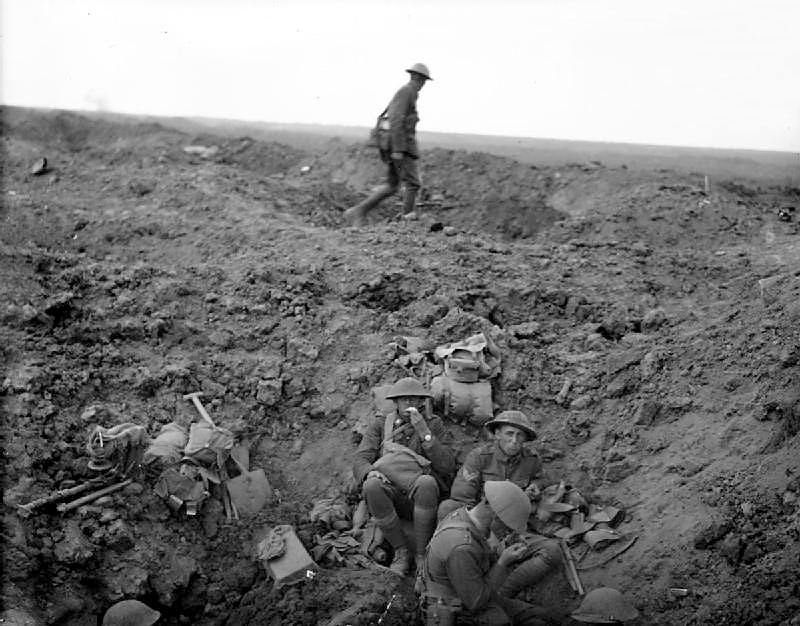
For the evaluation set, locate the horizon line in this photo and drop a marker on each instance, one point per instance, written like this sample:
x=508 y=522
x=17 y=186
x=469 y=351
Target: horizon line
x=322 y=125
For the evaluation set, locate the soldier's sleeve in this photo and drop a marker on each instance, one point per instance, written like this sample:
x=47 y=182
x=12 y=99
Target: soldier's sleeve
x=367 y=452
x=439 y=450
x=467 y=578
x=469 y=480
x=398 y=110
x=536 y=467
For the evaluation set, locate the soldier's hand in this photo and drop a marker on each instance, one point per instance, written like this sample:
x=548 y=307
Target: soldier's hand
x=533 y=492
x=418 y=422
x=376 y=474
x=513 y=553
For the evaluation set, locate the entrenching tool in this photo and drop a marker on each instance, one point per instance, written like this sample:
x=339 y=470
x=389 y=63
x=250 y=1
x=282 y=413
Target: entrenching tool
x=249 y=491
x=195 y=397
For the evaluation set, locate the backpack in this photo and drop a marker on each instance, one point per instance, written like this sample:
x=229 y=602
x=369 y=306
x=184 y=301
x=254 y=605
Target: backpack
x=463 y=402
x=179 y=489
x=477 y=357
x=208 y=445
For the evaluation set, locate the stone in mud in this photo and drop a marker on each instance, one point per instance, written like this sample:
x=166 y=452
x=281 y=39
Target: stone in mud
x=173 y=577
x=214 y=593
x=619 y=386
x=582 y=402
x=240 y=578
x=731 y=548
x=130 y=581
x=618 y=470
x=211 y=517
x=211 y=389
x=769 y=288
x=711 y=533
x=594 y=341
x=74 y=548
x=653 y=320
x=526 y=330
x=647 y=413
x=220 y=338
x=751 y=552
x=268 y=392
x=120 y=537
x=623 y=360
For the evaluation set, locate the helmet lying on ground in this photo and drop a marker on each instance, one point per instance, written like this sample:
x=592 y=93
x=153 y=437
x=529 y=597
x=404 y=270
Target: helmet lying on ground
x=605 y=605
x=130 y=613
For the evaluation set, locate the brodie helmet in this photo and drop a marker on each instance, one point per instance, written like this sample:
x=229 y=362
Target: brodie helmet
x=421 y=69
x=518 y=419
x=408 y=387
x=509 y=502
x=130 y=613
x=604 y=605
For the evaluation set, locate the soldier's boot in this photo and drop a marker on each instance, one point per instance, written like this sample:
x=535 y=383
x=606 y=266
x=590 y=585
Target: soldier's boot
x=357 y=215
x=525 y=575
x=410 y=202
x=393 y=532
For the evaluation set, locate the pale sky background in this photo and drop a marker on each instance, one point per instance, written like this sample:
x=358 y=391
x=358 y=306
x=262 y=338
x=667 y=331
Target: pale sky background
x=719 y=73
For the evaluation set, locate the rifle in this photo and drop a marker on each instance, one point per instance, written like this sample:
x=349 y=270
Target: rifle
x=570 y=568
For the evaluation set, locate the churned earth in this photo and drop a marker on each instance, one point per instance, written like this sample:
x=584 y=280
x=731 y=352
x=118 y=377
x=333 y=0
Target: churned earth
x=650 y=326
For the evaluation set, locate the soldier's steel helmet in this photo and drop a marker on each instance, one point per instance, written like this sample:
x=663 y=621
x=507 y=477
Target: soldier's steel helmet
x=605 y=605
x=518 y=419
x=509 y=502
x=420 y=68
x=408 y=387
x=130 y=613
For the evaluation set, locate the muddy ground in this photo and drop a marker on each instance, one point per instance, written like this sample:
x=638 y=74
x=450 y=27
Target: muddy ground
x=134 y=272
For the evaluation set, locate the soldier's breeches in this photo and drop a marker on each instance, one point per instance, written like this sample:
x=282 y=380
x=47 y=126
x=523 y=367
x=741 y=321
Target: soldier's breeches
x=425 y=492
x=378 y=498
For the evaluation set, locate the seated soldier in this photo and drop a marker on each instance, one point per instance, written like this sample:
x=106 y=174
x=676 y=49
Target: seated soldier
x=394 y=492
x=463 y=576
x=506 y=458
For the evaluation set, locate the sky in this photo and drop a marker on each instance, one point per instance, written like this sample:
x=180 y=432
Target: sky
x=710 y=73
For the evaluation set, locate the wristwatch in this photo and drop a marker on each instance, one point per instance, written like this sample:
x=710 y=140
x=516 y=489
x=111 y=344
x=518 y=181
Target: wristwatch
x=427 y=438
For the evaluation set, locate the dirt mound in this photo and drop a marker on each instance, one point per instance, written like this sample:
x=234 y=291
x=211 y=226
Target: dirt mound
x=651 y=327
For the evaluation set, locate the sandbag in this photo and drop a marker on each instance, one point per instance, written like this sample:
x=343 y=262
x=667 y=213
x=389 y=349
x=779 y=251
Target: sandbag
x=465 y=402
x=167 y=447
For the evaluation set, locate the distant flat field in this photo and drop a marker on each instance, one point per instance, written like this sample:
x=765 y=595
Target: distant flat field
x=721 y=164
x=755 y=165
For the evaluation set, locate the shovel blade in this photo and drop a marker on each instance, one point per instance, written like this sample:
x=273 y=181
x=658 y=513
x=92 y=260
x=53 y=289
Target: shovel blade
x=249 y=492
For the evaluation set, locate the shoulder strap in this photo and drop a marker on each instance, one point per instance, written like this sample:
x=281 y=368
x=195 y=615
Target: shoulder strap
x=388 y=427
x=454 y=525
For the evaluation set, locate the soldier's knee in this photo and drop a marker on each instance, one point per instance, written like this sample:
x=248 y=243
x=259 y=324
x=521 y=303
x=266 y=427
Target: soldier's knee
x=426 y=491
x=372 y=488
x=550 y=552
